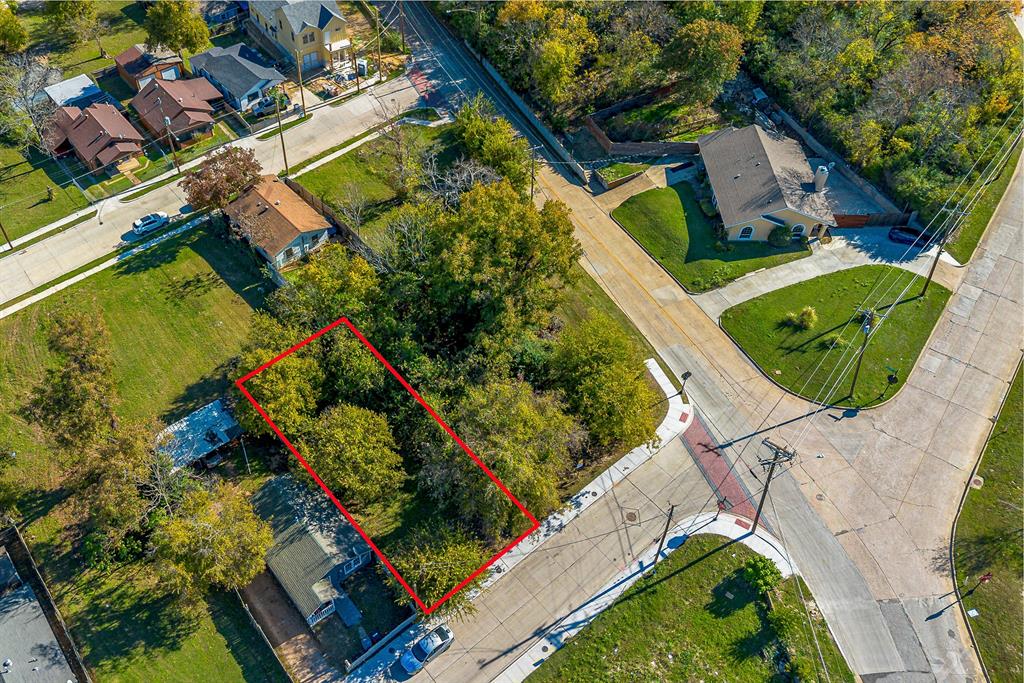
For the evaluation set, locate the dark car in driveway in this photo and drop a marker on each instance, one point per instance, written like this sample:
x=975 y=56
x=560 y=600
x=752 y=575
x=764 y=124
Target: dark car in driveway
x=912 y=236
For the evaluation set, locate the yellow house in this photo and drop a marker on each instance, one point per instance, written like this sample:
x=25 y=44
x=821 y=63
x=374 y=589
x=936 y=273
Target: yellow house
x=762 y=180
x=313 y=33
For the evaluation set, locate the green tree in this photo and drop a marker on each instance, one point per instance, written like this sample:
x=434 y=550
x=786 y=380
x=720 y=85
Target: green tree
x=74 y=403
x=13 y=36
x=75 y=20
x=497 y=265
x=176 y=25
x=353 y=452
x=214 y=539
x=600 y=371
x=524 y=439
x=493 y=142
x=742 y=14
x=704 y=54
x=762 y=575
x=560 y=55
x=289 y=389
x=434 y=559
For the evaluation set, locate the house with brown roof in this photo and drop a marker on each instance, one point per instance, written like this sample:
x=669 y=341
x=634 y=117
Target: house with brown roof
x=98 y=135
x=762 y=180
x=137 y=66
x=277 y=222
x=185 y=108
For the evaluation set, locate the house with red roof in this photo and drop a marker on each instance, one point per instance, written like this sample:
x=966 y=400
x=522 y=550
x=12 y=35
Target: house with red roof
x=98 y=135
x=184 y=108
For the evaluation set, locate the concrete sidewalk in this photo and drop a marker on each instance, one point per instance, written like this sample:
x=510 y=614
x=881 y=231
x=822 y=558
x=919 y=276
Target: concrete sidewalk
x=849 y=249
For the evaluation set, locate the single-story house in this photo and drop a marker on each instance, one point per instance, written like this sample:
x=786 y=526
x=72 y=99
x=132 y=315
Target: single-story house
x=185 y=107
x=137 y=66
x=78 y=91
x=315 y=548
x=238 y=73
x=98 y=135
x=311 y=32
x=762 y=180
x=277 y=222
x=198 y=434
x=34 y=646
x=217 y=12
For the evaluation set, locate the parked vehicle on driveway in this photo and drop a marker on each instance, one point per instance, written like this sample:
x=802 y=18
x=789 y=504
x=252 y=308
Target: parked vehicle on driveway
x=150 y=222
x=426 y=648
x=266 y=106
x=909 y=235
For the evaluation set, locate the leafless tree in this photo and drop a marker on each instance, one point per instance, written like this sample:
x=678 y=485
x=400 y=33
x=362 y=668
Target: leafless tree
x=403 y=245
x=25 y=111
x=447 y=185
x=353 y=207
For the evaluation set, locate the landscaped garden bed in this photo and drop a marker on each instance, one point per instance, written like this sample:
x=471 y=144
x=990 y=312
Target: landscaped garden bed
x=788 y=346
x=669 y=223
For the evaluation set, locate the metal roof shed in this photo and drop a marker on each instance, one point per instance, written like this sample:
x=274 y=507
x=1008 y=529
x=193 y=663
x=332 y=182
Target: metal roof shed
x=198 y=434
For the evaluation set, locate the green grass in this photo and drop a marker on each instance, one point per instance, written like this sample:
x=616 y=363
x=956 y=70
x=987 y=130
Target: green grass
x=988 y=539
x=621 y=169
x=670 y=225
x=24 y=206
x=786 y=353
x=149 y=188
x=966 y=241
x=693 y=618
x=177 y=314
x=50 y=233
x=285 y=126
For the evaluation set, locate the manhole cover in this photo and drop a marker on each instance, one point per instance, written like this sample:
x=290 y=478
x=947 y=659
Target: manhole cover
x=631 y=516
x=544 y=648
x=820 y=496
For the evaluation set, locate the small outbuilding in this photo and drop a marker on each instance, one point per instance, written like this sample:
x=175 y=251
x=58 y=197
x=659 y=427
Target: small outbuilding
x=79 y=91
x=199 y=434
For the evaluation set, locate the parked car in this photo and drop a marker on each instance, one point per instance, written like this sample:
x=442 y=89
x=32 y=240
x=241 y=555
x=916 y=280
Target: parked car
x=265 y=106
x=150 y=222
x=909 y=235
x=426 y=648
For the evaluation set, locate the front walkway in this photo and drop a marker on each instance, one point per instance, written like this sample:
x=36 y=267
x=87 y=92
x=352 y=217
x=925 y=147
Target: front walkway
x=849 y=248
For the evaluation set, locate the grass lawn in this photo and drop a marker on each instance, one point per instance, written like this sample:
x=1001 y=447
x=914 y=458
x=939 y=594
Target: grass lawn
x=365 y=168
x=621 y=169
x=966 y=241
x=786 y=353
x=693 y=618
x=988 y=539
x=24 y=180
x=669 y=223
x=176 y=314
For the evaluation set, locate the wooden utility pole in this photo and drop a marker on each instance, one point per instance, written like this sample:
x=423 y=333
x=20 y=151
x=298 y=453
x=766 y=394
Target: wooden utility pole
x=668 y=525
x=170 y=143
x=280 y=132
x=302 y=94
x=869 y=320
x=935 y=261
x=779 y=454
x=533 y=170
x=401 y=22
x=380 y=70
x=355 y=66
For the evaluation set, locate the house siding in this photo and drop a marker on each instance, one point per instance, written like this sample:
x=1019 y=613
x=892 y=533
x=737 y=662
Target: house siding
x=763 y=227
x=312 y=53
x=300 y=246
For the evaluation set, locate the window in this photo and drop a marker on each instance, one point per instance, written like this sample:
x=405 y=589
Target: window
x=746 y=233
x=798 y=231
x=351 y=565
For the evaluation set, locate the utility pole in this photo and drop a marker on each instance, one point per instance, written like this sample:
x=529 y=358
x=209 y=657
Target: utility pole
x=280 y=132
x=9 y=243
x=779 y=454
x=401 y=22
x=355 y=66
x=869 y=320
x=533 y=170
x=380 y=70
x=668 y=525
x=302 y=94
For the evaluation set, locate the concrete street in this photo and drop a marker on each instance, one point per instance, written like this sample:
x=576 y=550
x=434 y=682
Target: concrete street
x=51 y=258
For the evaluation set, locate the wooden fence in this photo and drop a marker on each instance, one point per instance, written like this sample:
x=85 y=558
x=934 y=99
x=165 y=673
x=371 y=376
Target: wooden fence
x=638 y=148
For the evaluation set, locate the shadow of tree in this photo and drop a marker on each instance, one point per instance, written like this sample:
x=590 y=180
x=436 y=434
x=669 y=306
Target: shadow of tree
x=246 y=647
x=207 y=388
x=730 y=595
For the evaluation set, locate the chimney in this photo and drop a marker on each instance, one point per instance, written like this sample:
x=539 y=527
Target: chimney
x=820 y=176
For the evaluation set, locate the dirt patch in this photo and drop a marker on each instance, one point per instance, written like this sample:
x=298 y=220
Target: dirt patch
x=287 y=631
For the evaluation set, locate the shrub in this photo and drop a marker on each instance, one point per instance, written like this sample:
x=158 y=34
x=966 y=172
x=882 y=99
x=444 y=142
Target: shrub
x=806 y=319
x=780 y=236
x=834 y=340
x=708 y=207
x=762 y=574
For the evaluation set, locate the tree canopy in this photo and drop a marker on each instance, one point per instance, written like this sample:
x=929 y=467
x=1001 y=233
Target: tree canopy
x=220 y=177
x=704 y=54
x=13 y=36
x=176 y=25
x=353 y=452
x=493 y=142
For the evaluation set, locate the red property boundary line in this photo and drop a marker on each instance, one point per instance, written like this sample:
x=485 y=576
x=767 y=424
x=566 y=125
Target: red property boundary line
x=534 y=524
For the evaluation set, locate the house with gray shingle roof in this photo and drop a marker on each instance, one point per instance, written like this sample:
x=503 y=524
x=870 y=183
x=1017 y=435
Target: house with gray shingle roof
x=315 y=548
x=238 y=72
x=313 y=33
x=762 y=180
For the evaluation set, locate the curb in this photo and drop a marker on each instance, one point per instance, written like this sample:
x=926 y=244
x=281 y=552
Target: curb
x=956 y=518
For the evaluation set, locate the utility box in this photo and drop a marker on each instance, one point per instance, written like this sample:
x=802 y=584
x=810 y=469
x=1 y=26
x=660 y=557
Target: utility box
x=361 y=67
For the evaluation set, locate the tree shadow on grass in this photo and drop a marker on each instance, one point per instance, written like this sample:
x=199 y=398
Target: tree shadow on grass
x=207 y=388
x=655 y=579
x=249 y=651
x=235 y=265
x=730 y=595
